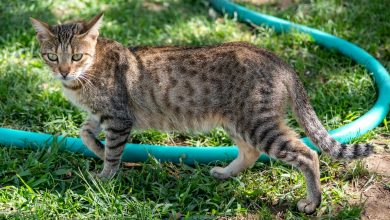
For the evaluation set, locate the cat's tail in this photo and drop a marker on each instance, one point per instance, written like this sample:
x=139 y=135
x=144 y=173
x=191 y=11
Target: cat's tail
x=309 y=121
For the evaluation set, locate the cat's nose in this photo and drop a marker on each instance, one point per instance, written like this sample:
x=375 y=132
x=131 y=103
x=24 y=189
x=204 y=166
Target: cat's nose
x=64 y=71
x=64 y=74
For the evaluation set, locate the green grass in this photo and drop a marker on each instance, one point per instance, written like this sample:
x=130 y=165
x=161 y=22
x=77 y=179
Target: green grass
x=49 y=183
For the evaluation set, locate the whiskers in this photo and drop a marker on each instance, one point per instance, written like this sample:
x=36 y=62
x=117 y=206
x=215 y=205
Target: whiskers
x=85 y=81
x=85 y=78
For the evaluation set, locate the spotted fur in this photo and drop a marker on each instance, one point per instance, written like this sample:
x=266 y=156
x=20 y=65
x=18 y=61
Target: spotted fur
x=237 y=86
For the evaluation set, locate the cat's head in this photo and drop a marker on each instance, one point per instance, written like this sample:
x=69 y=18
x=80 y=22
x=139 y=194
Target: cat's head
x=68 y=49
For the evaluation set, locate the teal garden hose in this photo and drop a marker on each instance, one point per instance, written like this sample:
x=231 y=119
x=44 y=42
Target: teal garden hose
x=190 y=155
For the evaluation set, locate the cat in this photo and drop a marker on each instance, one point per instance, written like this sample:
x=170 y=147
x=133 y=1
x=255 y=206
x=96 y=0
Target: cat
x=237 y=86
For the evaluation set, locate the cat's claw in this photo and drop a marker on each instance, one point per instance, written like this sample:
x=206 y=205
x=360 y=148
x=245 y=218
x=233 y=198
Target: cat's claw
x=307 y=206
x=219 y=173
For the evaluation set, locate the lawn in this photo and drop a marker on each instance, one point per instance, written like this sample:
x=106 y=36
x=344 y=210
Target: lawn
x=49 y=183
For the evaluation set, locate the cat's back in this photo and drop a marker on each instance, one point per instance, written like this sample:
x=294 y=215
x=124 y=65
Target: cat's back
x=216 y=52
x=236 y=58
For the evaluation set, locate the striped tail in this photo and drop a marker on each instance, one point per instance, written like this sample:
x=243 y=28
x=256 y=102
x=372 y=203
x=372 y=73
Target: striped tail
x=309 y=121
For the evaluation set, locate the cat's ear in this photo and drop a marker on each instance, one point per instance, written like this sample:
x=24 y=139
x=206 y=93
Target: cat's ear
x=91 y=28
x=42 y=29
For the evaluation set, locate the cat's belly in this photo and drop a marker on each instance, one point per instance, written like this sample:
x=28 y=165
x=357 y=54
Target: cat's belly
x=171 y=122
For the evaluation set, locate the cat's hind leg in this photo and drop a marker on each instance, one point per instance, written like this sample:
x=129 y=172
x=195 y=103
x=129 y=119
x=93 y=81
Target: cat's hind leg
x=88 y=133
x=281 y=142
x=247 y=156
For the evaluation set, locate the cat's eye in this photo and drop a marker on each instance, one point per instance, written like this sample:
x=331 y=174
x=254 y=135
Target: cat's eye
x=77 y=56
x=52 y=57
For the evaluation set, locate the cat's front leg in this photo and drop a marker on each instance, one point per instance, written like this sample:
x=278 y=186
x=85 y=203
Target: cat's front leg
x=88 y=133
x=117 y=131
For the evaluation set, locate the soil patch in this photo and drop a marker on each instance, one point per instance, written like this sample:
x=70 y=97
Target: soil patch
x=373 y=191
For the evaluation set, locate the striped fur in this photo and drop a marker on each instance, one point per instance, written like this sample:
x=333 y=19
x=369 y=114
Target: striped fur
x=307 y=118
x=237 y=86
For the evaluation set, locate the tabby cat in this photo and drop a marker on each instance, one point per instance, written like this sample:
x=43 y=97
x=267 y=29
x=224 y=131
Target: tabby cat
x=237 y=86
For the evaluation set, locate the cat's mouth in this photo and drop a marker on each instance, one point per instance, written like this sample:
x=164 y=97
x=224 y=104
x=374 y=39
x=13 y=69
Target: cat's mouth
x=66 y=78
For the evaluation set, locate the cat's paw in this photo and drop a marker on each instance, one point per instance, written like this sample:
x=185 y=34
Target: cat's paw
x=219 y=173
x=104 y=176
x=307 y=206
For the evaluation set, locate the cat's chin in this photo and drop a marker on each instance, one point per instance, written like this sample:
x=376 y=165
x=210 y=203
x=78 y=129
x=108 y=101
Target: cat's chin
x=69 y=82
